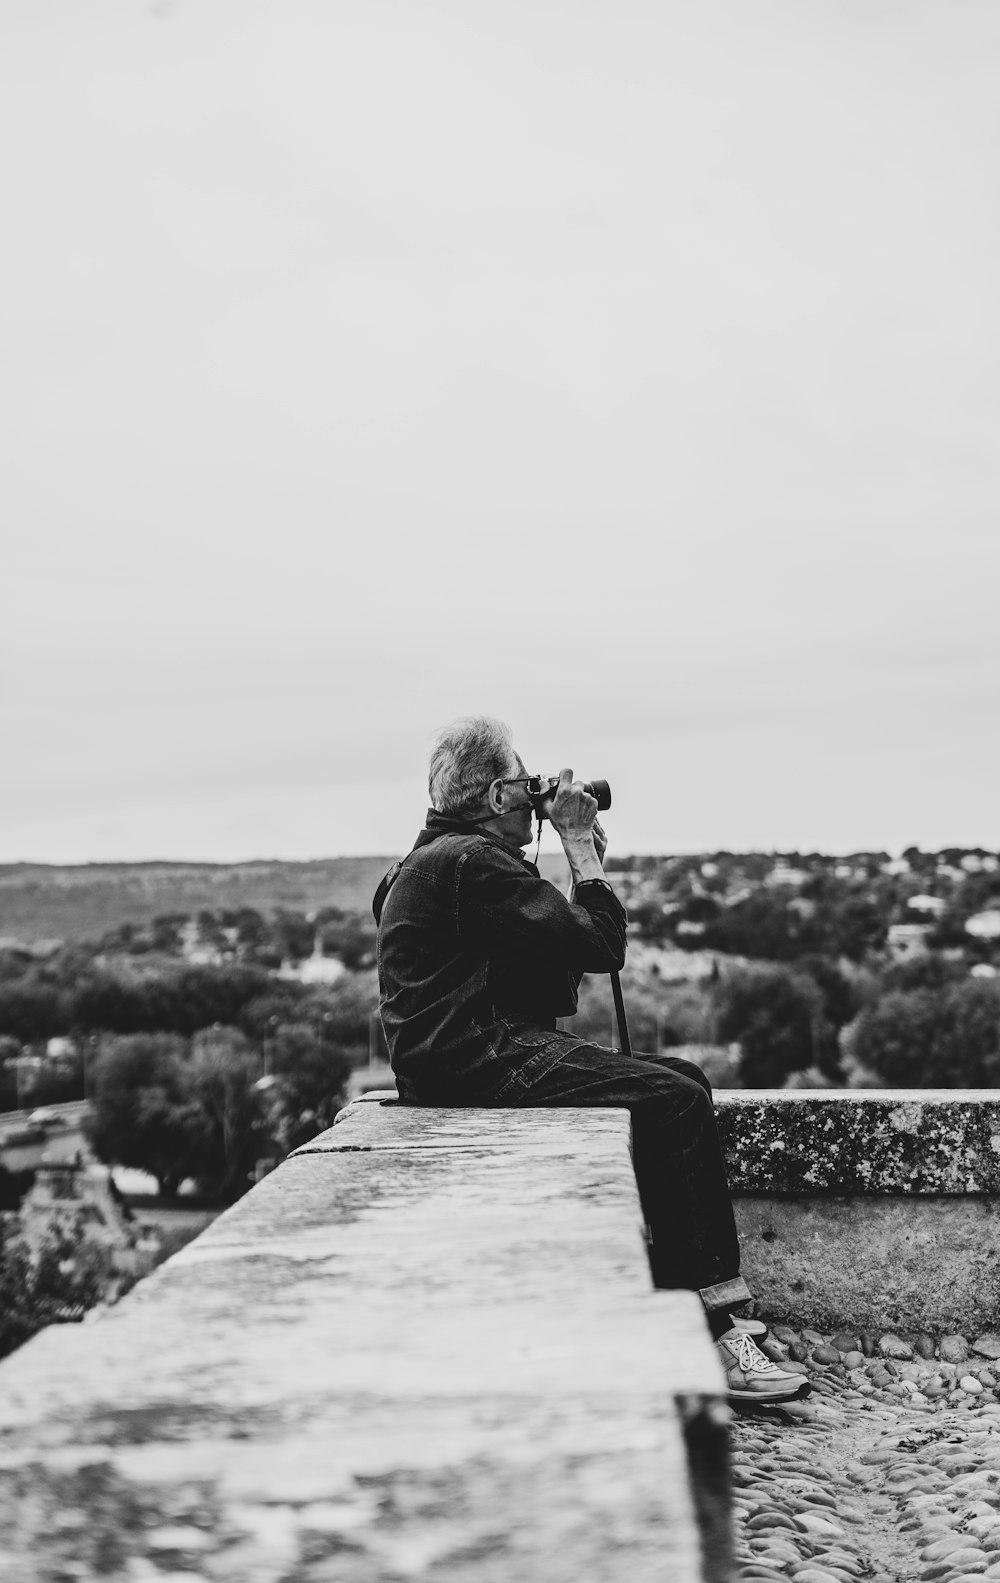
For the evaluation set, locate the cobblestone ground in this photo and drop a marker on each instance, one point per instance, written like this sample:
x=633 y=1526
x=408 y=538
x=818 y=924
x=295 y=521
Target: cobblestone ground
x=890 y=1470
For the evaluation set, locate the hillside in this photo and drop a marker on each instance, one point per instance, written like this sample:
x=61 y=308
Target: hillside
x=84 y=902
x=39 y=901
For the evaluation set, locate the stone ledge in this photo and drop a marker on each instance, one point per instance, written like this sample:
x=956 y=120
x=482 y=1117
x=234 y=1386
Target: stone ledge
x=870 y=1141
x=386 y=1359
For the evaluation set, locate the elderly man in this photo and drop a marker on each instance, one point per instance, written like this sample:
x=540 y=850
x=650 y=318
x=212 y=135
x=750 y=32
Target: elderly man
x=478 y=957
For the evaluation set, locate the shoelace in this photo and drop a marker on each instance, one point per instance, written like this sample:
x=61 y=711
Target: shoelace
x=750 y=1358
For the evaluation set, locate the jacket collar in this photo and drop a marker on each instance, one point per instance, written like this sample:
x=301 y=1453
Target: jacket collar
x=439 y=824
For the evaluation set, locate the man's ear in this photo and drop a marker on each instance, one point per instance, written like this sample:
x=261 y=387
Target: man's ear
x=495 y=796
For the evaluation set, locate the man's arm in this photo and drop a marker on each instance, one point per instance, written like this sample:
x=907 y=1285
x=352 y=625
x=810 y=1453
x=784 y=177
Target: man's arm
x=501 y=905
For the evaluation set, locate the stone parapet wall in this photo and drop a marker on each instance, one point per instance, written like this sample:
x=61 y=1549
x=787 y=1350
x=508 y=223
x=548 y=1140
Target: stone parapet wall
x=868 y=1141
x=871 y=1210
x=425 y=1346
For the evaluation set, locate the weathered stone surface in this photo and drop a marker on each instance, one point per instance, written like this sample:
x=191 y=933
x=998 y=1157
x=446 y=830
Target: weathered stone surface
x=879 y=1263
x=446 y=1355
x=987 y=1345
x=863 y=1141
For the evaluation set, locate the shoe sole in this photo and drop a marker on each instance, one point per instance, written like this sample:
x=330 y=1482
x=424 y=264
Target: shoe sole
x=777 y=1412
x=759 y=1332
x=748 y=1399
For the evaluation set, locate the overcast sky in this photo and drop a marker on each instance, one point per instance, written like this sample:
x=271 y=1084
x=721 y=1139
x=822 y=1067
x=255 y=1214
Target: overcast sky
x=628 y=370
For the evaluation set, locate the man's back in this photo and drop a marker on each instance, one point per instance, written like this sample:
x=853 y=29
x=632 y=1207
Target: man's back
x=478 y=956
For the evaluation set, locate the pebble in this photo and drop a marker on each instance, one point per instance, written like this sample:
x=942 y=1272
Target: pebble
x=785 y=1333
x=892 y=1346
x=915 y=1440
x=953 y=1349
x=844 y=1341
x=777 y=1351
x=825 y=1354
x=987 y=1346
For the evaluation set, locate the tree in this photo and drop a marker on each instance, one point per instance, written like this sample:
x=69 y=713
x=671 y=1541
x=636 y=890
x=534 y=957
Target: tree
x=342 y=1013
x=896 y=1036
x=32 y=1009
x=311 y=1072
x=855 y=926
x=777 y=1016
x=180 y=1000
x=60 y=1284
x=347 y=935
x=223 y=1074
x=762 y=925
x=293 y=933
x=941 y=1037
x=145 y=1113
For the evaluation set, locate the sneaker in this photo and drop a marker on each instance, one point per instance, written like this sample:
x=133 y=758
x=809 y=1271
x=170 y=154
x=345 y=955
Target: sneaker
x=754 y=1328
x=750 y=1374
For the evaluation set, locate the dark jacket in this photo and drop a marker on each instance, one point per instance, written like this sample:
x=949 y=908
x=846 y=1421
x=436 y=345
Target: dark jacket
x=477 y=957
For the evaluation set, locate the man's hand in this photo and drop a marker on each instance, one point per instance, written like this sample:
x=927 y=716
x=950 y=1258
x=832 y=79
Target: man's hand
x=573 y=811
x=574 y=816
x=600 y=841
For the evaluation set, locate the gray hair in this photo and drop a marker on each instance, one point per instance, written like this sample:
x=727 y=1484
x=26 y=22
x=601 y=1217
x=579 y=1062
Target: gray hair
x=468 y=755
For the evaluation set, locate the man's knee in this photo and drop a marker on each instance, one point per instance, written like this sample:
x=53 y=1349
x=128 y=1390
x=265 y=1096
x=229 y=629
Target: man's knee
x=686 y=1069
x=677 y=1097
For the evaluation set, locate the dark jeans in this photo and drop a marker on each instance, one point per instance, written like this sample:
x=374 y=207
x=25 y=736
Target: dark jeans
x=676 y=1154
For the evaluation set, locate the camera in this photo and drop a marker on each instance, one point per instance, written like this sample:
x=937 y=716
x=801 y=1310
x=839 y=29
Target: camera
x=541 y=788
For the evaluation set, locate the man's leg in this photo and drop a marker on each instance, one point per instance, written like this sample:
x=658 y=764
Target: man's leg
x=677 y=1156
x=681 y=1176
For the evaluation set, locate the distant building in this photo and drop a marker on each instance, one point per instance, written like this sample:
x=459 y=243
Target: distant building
x=983 y=970
x=984 y=925
x=929 y=904
x=60 y=1049
x=80 y=1195
x=906 y=940
x=896 y=865
x=786 y=874
x=316 y=969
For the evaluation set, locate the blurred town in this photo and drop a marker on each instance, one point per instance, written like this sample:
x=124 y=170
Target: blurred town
x=168 y=1033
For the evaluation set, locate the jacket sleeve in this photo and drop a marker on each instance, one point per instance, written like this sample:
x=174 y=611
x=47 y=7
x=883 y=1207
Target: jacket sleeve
x=501 y=905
